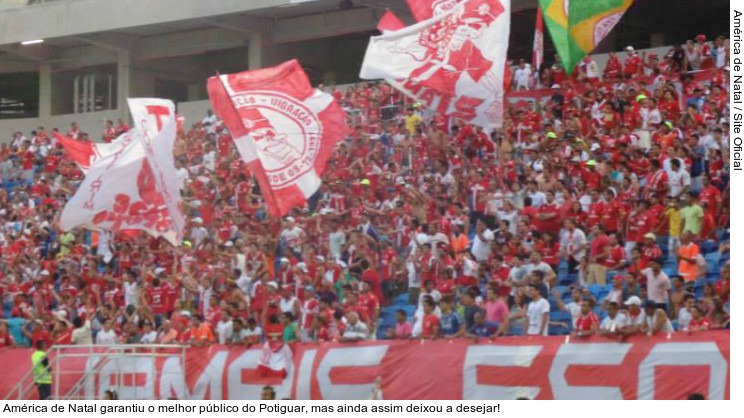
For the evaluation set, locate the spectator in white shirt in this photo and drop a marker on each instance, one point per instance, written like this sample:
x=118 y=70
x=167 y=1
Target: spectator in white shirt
x=292 y=235
x=536 y=263
x=685 y=313
x=615 y=321
x=522 y=76
x=356 y=330
x=81 y=335
x=210 y=121
x=537 y=312
x=482 y=242
x=224 y=328
x=573 y=244
x=538 y=198
x=149 y=336
x=573 y=307
x=679 y=179
x=107 y=336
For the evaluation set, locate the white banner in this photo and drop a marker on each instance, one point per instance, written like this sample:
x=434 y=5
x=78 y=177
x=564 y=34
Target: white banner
x=134 y=187
x=453 y=62
x=155 y=121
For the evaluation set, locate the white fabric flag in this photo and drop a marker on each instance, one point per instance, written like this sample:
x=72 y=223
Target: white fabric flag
x=123 y=191
x=453 y=62
x=155 y=122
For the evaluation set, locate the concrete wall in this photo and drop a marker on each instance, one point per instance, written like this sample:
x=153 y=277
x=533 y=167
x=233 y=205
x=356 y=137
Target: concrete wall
x=193 y=111
x=71 y=17
x=92 y=123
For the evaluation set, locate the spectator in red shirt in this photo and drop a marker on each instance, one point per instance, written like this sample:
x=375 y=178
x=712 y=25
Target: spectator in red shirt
x=430 y=322
x=599 y=251
x=698 y=321
x=587 y=323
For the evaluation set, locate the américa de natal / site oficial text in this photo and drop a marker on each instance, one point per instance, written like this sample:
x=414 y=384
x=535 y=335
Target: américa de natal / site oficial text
x=737 y=117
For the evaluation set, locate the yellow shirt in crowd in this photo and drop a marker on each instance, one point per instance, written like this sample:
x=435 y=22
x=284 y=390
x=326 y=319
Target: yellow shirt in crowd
x=675 y=222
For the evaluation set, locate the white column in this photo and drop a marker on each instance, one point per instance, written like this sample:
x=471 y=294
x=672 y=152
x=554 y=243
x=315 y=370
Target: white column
x=255 y=51
x=45 y=92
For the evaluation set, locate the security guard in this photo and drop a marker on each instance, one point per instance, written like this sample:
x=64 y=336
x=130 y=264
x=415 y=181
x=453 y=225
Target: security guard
x=42 y=371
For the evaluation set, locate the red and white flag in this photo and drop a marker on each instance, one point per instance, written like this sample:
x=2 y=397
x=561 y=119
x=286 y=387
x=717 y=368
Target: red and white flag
x=85 y=153
x=284 y=129
x=124 y=190
x=537 y=43
x=275 y=360
x=453 y=63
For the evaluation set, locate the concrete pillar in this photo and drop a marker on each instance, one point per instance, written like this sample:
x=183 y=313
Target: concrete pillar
x=45 y=92
x=255 y=51
x=122 y=82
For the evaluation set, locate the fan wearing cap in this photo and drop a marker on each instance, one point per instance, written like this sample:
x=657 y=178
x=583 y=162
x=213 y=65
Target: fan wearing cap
x=650 y=250
x=666 y=136
x=633 y=65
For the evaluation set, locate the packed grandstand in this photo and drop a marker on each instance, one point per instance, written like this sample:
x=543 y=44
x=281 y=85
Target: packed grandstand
x=601 y=208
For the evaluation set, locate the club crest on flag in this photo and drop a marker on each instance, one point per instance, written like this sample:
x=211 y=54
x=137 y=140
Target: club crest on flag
x=285 y=130
x=446 y=49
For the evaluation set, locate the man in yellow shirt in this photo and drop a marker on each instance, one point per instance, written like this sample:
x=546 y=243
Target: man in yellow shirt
x=674 y=218
x=412 y=121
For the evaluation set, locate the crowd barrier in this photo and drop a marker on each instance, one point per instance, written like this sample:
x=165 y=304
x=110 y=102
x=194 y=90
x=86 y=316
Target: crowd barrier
x=669 y=366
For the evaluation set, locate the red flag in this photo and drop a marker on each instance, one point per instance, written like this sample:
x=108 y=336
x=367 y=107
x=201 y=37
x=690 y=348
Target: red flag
x=425 y=9
x=390 y=22
x=537 y=44
x=284 y=129
x=81 y=152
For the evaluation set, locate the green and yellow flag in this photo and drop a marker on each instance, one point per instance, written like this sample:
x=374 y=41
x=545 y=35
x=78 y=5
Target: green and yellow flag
x=578 y=26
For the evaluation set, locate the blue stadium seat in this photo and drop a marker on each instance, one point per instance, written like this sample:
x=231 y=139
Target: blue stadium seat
x=713 y=257
x=596 y=289
x=560 y=316
x=562 y=289
x=708 y=247
x=515 y=331
x=568 y=279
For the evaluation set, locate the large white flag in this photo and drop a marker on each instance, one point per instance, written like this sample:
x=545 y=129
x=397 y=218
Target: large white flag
x=156 y=125
x=453 y=62
x=129 y=188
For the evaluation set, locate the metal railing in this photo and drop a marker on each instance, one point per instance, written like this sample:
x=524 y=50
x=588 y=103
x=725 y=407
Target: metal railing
x=113 y=361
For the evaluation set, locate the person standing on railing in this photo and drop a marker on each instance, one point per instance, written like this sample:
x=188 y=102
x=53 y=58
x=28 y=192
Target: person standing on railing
x=42 y=371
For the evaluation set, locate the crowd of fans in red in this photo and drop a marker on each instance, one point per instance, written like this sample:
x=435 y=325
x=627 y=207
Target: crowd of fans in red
x=603 y=209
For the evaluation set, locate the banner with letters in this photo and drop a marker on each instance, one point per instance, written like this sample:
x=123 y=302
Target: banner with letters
x=534 y=367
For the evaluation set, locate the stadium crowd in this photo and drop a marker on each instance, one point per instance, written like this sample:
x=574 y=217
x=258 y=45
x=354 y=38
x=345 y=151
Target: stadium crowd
x=601 y=207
